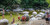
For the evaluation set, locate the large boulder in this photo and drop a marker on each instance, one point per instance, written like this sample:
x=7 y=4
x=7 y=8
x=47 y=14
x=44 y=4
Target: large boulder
x=42 y=10
x=17 y=10
x=38 y=15
x=25 y=12
x=4 y=22
x=34 y=13
x=33 y=18
x=42 y=14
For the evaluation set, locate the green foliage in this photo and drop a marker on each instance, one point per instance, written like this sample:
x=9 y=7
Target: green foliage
x=7 y=3
x=25 y=3
x=48 y=2
x=33 y=3
x=18 y=1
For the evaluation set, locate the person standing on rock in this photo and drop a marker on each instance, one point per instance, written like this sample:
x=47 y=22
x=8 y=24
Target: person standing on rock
x=46 y=17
